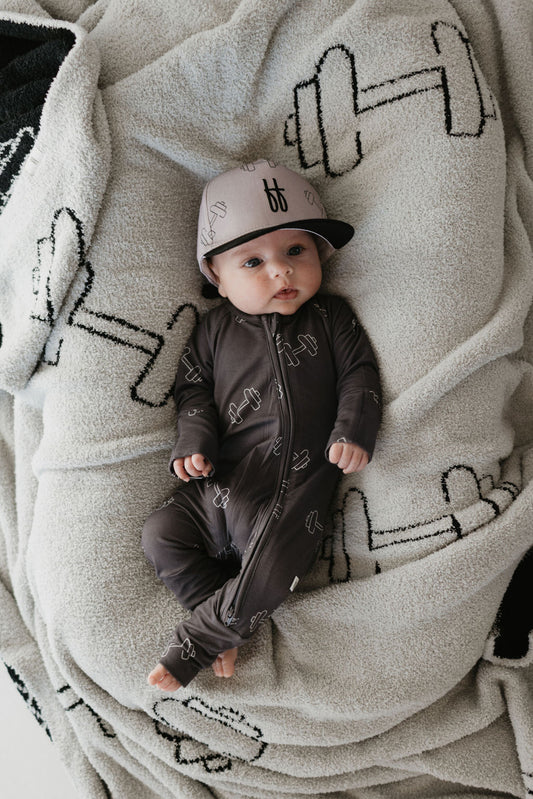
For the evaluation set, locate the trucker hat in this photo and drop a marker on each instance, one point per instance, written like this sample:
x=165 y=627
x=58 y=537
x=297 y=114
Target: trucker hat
x=254 y=199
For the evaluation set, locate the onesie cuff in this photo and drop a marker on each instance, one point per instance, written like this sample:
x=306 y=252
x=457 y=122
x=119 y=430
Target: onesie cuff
x=185 y=658
x=184 y=670
x=360 y=426
x=183 y=448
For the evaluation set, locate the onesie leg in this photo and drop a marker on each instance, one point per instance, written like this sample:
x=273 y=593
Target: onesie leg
x=176 y=543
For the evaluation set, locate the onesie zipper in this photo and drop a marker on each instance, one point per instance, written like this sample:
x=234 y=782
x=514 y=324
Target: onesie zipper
x=269 y=516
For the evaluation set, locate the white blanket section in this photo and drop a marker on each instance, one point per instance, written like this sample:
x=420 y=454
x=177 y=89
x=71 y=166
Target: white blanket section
x=385 y=676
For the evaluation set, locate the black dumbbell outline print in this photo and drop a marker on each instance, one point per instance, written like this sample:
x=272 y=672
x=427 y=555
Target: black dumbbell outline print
x=457 y=524
x=527 y=776
x=114 y=329
x=71 y=701
x=188 y=751
x=334 y=550
x=13 y=154
x=308 y=344
x=30 y=700
x=313 y=127
x=252 y=399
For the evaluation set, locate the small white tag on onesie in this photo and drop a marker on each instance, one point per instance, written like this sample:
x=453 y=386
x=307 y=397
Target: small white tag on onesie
x=294 y=583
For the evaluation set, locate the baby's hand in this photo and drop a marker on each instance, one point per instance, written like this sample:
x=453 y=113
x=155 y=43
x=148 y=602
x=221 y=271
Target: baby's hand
x=348 y=457
x=191 y=466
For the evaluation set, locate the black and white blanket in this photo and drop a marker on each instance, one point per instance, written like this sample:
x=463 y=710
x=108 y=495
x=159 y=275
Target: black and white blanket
x=403 y=667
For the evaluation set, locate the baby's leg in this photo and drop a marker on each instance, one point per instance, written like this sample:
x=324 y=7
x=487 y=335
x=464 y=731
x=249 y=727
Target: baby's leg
x=175 y=543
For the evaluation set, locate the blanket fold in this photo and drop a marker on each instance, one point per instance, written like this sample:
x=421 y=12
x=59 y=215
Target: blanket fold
x=57 y=159
x=402 y=665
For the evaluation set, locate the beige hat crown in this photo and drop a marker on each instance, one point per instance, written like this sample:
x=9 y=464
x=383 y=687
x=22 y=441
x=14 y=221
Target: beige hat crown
x=256 y=198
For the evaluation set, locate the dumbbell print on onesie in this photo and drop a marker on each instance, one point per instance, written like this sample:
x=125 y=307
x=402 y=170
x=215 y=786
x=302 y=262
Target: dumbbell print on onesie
x=252 y=400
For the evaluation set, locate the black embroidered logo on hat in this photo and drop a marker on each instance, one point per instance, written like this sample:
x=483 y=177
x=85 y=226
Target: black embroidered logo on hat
x=276 y=200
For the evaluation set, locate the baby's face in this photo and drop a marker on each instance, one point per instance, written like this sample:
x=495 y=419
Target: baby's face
x=274 y=273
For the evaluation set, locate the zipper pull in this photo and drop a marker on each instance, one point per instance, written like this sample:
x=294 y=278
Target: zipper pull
x=230 y=618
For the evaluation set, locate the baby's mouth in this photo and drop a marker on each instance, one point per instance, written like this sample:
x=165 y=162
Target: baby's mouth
x=287 y=293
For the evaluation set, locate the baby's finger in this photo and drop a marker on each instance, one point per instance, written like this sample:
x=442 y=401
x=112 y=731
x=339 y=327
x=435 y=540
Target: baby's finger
x=179 y=469
x=345 y=458
x=191 y=468
x=201 y=464
x=335 y=452
x=358 y=462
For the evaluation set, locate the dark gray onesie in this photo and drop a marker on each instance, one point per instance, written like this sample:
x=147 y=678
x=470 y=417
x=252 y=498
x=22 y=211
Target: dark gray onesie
x=263 y=398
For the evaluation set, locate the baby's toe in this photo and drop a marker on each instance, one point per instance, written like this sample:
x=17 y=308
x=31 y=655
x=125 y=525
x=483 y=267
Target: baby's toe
x=161 y=678
x=157 y=674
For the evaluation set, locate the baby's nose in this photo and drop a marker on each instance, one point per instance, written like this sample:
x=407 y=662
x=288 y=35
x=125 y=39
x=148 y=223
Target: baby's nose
x=281 y=267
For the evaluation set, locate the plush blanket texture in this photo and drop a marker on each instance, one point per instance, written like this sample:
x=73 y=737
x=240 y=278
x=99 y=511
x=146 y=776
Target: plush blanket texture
x=402 y=667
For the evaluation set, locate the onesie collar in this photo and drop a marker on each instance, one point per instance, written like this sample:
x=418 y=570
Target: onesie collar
x=259 y=320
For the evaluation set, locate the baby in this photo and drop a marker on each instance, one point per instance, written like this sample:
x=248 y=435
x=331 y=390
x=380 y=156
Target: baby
x=277 y=391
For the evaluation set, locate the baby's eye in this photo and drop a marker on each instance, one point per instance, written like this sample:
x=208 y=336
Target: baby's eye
x=252 y=263
x=297 y=249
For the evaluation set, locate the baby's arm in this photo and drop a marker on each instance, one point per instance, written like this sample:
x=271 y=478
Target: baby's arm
x=197 y=431
x=348 y=457
x=192 y=466
x=358 y=389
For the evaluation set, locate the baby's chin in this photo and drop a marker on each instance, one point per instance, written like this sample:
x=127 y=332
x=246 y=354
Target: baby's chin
x=283 y=304
x=284 y=310
x=288 y=302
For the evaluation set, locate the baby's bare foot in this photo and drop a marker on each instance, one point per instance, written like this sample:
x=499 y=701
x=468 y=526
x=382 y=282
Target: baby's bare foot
x=161 y=678
x=224 y=665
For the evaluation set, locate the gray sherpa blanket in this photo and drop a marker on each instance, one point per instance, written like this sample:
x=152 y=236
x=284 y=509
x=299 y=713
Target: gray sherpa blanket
x=403 y=666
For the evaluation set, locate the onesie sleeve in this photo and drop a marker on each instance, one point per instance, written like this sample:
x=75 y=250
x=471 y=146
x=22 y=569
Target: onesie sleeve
x=358 y=383
x=197 y=426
